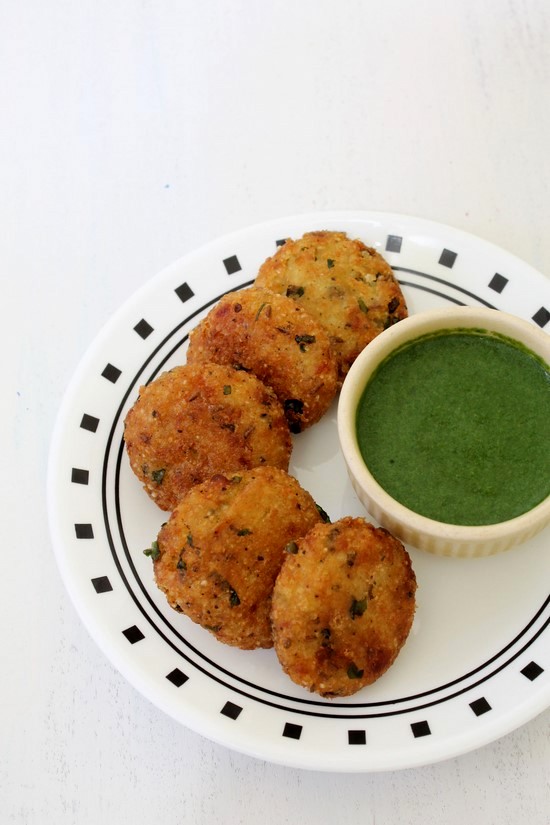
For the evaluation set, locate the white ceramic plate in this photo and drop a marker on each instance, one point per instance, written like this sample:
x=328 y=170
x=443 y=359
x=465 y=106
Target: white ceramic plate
x=477 y=662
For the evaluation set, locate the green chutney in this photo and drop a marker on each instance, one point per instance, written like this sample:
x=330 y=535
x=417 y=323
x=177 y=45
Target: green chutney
x=455 y=425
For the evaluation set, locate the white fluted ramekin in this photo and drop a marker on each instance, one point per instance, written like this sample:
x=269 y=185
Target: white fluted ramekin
x=414 y=529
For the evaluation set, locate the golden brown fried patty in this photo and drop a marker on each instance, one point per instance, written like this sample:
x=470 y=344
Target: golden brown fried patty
x=346 y=285
x=221 y=550
x=343 y=606
x=279 y=342
x=198 y=420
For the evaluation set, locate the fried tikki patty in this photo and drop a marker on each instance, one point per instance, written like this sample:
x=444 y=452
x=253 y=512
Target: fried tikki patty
x=349 y=287
x=198 y=420
x=279 y=342
x=219 y=554
x=342 y=607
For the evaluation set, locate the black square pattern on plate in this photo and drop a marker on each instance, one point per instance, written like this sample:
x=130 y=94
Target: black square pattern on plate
x=447 y=258
x=357 y=737
x=143 y=329
x=177 y=677
x=420 y=729
x=102 y=584
x=280 y=242
x=541 y=317
x=232 y=265
x=532 y=671
x=133 y=634
x=84 y=531
x=89 y=423
x=79 y=476
x=184 y=292
x=111 y=373
x=292 y=731
x=498 y=282
x=231 y=710
x=393 y=243
x=480 y=706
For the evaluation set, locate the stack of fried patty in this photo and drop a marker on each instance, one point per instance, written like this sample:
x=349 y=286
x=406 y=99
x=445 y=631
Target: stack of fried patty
x=246 y=552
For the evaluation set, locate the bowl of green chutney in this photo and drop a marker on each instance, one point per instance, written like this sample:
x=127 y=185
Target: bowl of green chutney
x=444 y=425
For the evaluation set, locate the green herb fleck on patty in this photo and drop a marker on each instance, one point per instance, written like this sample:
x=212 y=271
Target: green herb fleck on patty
x=153 y=552
x=354 y=672
x=357 y=607
x=302 y=340
x=234 y=600
x=324 y=515
x=294 y=291
x=268 y=310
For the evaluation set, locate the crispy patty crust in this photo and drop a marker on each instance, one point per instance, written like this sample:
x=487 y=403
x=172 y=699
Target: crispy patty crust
x=219 y=554
x=349 y=287
x=342 y=606
x=198 y=420
x=271 y=336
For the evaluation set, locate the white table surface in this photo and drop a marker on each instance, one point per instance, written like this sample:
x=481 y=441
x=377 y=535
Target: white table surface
x=132 y=133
